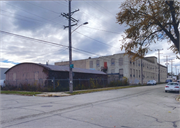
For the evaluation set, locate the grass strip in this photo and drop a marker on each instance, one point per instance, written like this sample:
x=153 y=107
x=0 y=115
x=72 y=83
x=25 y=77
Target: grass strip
x=102 y=89
x=178 y=98
x=27 y=93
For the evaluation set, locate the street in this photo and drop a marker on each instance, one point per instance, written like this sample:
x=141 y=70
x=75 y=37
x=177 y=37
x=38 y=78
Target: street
x=139 y=107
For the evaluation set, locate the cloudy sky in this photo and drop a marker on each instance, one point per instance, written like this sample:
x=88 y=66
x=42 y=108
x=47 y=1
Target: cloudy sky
x=33 y=31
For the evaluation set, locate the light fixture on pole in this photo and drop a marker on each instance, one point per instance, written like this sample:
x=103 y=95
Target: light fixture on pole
x=79 y=26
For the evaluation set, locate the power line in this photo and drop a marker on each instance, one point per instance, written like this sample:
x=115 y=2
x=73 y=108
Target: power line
x=103 y=7
x=101 y=30
x=32 y=13
x=20 y=17
x=46 y=42
x=94 y=39
x=43 y=8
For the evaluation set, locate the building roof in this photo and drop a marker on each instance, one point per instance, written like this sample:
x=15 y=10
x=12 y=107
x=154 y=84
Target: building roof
x=63 y=68
x=66 y=69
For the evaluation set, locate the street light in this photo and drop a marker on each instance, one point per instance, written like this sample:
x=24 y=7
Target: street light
x=79 y=26
x=70 y=56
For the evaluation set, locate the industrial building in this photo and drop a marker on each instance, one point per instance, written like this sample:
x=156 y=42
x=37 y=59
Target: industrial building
x=45 y=74
x=122 y=65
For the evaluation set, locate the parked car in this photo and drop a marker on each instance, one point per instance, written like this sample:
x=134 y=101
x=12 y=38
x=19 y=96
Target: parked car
x=178 y=81
x=151 y=82
x=168 y=80
x=2 y=83
x=172 y=86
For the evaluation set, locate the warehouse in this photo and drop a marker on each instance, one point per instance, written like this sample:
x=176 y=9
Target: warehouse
x=121 y=65
x=45 y=75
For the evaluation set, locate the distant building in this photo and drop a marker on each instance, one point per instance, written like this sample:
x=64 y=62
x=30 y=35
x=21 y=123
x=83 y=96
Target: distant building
x=123 y=66
x=41 y=74
x=2 y=75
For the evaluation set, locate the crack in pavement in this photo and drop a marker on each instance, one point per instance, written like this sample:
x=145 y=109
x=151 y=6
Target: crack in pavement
x=76 y=106
x=157 y=120
x=85 y=121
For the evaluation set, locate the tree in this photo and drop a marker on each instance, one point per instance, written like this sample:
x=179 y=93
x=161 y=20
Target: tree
x=149 y=21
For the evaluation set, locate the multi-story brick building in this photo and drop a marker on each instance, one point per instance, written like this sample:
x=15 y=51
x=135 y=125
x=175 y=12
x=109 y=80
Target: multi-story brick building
x=123 y=66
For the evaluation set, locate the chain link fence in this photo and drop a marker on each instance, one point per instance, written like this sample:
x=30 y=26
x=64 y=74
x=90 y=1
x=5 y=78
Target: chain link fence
x=54 y=84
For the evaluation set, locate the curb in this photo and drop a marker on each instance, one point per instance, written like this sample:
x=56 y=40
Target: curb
x=59 y=94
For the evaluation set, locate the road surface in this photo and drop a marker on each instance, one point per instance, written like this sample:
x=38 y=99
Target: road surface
x=140 y=107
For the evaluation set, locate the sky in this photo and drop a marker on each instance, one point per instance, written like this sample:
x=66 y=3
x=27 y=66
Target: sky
x=33 y=31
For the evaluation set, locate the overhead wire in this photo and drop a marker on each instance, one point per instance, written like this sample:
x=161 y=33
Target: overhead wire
x=102 y=7
x=46 y=42
x=32 y=13
x=95 y=40
x=44 y=8
x=84 y=35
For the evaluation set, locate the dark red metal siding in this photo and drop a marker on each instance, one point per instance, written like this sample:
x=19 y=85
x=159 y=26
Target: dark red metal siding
x=26 y=71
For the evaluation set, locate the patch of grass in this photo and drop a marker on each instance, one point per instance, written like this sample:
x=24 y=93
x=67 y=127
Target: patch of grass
x=102 y=89
x=27 y=93
x=178 y=98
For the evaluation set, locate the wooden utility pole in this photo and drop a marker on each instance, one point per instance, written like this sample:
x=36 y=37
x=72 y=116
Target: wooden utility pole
x=68 y=16
x=159 y=63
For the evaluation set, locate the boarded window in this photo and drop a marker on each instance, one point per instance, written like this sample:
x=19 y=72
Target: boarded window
x=97 y=63
x=112 y=62
x=14 y=76
x=120 y=61
x=91 y=64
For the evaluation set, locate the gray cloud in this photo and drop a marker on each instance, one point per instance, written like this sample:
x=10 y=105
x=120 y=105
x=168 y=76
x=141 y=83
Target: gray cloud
x=42 y=20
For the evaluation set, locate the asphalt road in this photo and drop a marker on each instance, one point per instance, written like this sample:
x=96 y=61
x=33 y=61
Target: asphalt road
x=140 y=107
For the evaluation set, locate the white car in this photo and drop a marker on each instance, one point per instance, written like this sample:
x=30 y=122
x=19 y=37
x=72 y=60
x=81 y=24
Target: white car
x=2 y=83
x=172 y=86
x=151 y=82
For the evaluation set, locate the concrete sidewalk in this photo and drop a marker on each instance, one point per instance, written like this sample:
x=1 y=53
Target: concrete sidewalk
x=53 y=94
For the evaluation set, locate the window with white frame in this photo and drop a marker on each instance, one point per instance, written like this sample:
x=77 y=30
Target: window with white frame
x=97 y=63
x=121 y=73
x=112 y=62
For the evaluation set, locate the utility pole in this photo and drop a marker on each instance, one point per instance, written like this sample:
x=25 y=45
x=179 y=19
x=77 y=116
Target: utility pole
x=176 y=69
x=167 y=63
x=171 y=66
x=159 y=63
x=68 y=16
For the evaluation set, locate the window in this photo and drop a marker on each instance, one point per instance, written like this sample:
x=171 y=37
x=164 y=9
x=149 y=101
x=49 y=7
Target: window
x=133 y=72
x=121 y=73
x=130 y=72
x=120 y=61
x=112 y=71
x=112 y=62
x=139 y=73
x=91 y=64
x=136 y=73
x=97 y=63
